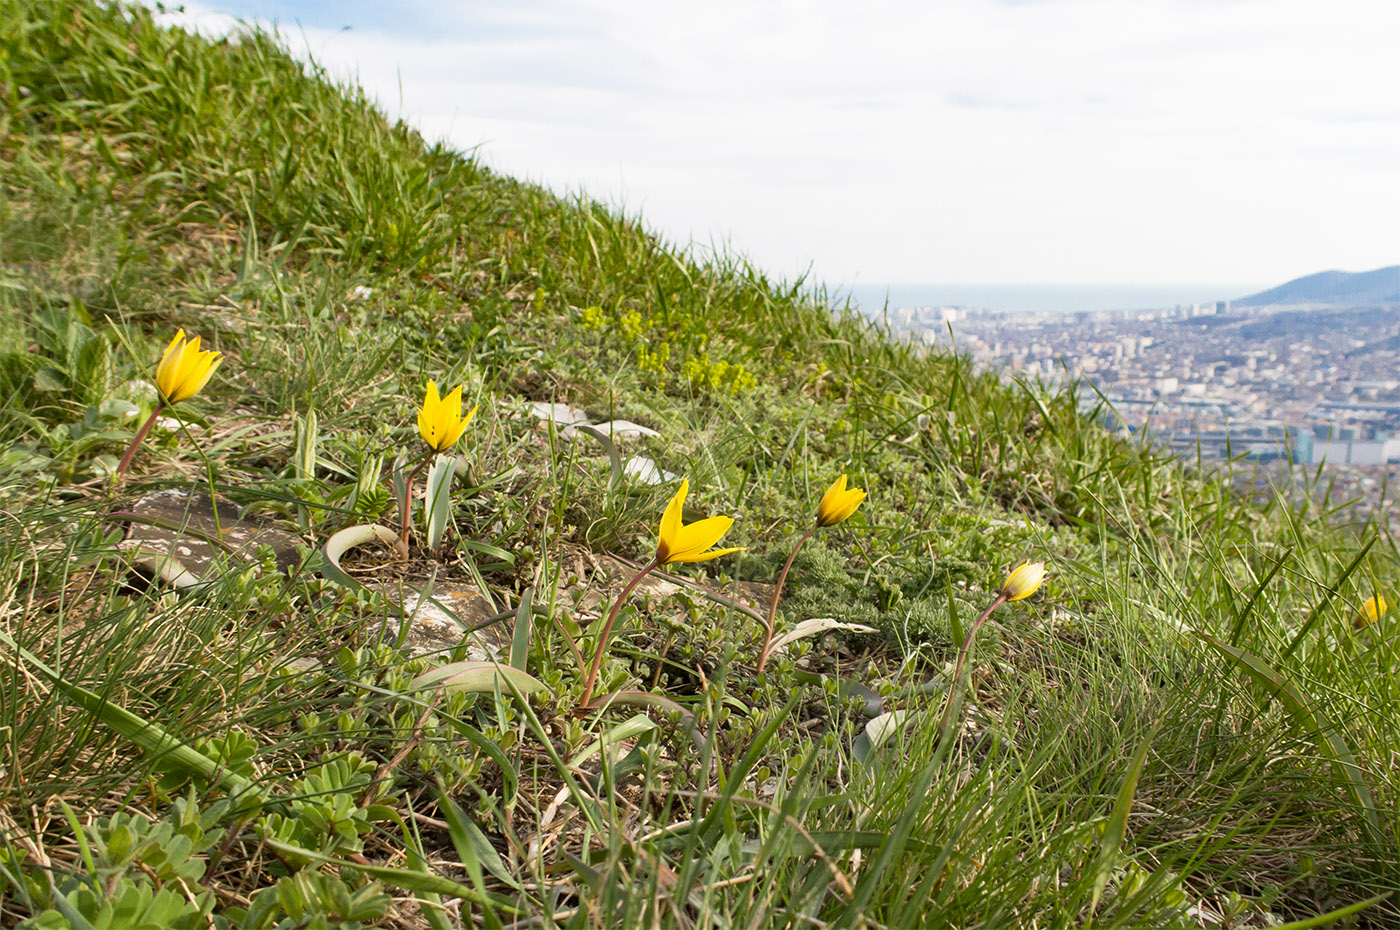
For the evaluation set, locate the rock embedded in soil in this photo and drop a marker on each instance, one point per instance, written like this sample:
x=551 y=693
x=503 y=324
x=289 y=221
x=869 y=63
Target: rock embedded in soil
x=185 y=556
x=432 y=630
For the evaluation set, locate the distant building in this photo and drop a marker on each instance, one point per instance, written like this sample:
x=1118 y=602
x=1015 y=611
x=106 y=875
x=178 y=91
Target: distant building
x=1300 y=446
x=1330 y=451
x=1349 y=452
x=1366 y=453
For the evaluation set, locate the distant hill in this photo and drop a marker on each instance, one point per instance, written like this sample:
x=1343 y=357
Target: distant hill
x=1333 y=287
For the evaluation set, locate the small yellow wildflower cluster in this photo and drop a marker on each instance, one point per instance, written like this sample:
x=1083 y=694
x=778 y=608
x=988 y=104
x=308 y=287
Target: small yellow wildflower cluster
x=704 y=374
x=632 y=325
x=653 y=360
x=592 y=318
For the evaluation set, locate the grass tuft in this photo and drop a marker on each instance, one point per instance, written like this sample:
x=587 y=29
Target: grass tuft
x=1185 y=727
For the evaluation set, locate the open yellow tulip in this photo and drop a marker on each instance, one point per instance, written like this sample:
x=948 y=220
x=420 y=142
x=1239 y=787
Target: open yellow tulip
x=184 y=369
x=440 y=420
x=689 y=543
x=677 y=543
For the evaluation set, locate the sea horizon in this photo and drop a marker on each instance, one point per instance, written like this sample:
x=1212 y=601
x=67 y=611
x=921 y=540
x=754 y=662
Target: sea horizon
x=1042 y=298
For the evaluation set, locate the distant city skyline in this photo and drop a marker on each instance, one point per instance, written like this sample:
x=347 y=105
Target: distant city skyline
x=1043 y=143
x=1044 y=298
x=1259 y=386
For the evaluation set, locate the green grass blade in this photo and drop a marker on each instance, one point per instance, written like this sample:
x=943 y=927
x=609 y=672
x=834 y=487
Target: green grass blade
x=154 y=740
x=520 y=635
x=1331 y=917
x=1117 y=827
x=1316 y=613
x=407 y=879
x=473 y=848
x=1314 y=722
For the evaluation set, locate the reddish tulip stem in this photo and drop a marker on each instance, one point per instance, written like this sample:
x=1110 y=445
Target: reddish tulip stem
x=777 y=594
x=603 y=636
x=407 y=501
x=130 y=453
x=955 y=689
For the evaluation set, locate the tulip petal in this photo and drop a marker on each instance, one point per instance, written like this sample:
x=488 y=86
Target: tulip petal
x=168 y=370
x=455 y=433
x=170 y=359
x=671 y=521
x=428 y=414
x=712 y=554
x=847 y=506
x=702 y=534
x=200 y=375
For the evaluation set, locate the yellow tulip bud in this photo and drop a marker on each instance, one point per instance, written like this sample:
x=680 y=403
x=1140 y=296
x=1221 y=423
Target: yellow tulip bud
x=1023 y=581
x=1372 y=610
x=184 y=369
x=838 y=503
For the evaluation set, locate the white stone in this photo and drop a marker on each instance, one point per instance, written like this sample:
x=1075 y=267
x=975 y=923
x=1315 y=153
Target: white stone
x=617 y=430
x=646 y=470
x=558 y=413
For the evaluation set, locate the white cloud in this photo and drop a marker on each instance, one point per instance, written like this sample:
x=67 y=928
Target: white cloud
x=897 y=140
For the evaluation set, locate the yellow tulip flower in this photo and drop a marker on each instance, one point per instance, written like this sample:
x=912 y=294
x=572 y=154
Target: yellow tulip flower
x=677 y=544
x=1372 y=610
x=836 y=506
x=184 y=369
x=1023 y=581
x=440 y=421
x=689 y=543
x=838 y=503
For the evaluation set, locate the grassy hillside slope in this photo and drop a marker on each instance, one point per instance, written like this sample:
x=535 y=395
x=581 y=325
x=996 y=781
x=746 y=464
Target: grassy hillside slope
x=1181 y=728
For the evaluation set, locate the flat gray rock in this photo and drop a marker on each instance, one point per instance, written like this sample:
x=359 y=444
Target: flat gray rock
x=178 y=534
x=433 y=630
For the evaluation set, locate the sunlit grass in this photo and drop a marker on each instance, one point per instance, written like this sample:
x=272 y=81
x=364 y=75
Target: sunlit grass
x=1183 y=727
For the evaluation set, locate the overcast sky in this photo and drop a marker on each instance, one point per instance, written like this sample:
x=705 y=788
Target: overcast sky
x=947 y=141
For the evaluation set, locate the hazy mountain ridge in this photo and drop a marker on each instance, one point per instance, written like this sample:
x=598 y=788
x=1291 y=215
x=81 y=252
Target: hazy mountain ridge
x=1333 y=287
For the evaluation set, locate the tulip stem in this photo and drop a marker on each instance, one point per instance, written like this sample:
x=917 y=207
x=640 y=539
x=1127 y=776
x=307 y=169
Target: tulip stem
x=407 y=502
x=130 y=453
x=603 y=636
x=777 y=595
x=956 y=689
